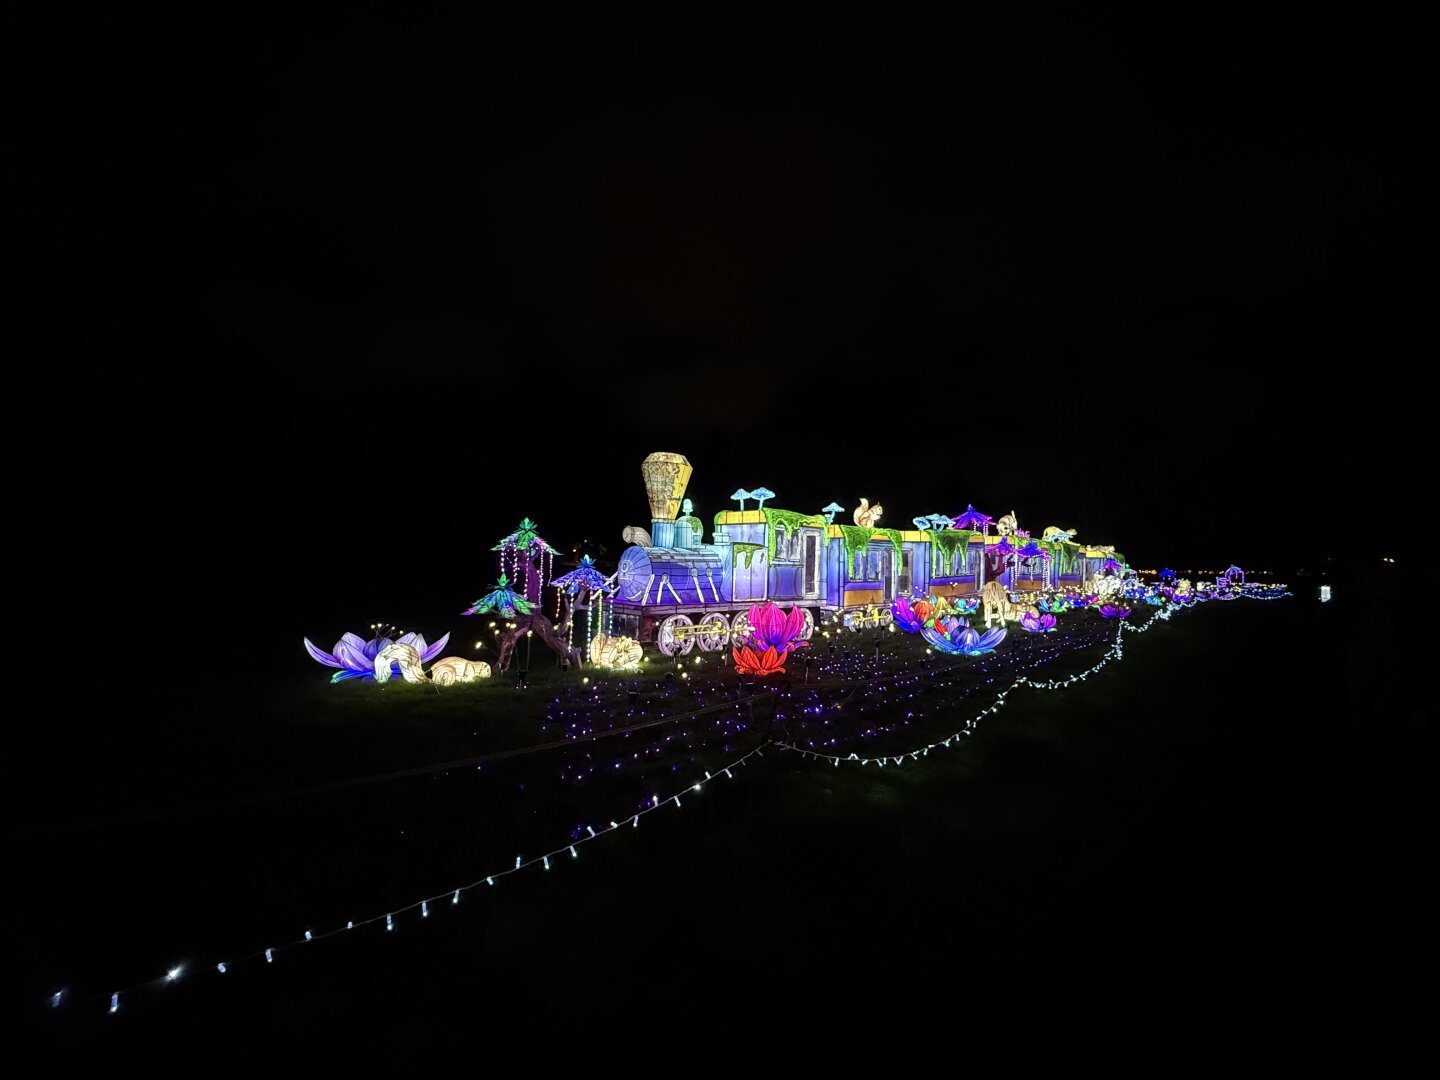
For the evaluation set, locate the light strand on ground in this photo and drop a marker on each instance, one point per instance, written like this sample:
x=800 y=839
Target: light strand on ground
x=1115 y=652
x=173 y=973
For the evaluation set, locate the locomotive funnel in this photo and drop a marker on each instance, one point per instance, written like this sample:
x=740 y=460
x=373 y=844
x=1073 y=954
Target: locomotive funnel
x=666 y=477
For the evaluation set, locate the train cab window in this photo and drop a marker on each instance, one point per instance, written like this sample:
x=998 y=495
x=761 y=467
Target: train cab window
x=787 y=544
x=877 y=565
x=953 y=564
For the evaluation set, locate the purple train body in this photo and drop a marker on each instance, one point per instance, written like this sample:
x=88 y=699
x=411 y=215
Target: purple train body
x=679 y=592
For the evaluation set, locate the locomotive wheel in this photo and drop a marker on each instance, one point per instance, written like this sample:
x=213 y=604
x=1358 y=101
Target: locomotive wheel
x=668 y=642
x=713 y=630
x=740 y=629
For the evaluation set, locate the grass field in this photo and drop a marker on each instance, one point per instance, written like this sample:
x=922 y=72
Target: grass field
x=1197 y=831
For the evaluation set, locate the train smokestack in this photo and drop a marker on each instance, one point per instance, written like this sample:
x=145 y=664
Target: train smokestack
x=666 y=477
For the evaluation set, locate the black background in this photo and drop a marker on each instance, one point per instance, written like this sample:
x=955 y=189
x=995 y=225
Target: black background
x=305 y=293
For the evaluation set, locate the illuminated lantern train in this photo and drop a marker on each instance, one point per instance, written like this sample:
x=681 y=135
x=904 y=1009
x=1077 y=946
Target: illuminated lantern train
x=679 y=592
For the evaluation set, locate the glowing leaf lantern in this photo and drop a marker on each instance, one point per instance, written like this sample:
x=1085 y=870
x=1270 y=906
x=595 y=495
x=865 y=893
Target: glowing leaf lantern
x=584 y=576
x=583 y=579
x=1032 y=550
x=525 y=546
x=503 y=600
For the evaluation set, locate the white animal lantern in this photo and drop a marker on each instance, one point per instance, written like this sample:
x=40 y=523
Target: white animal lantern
x=1054 y=532
x=615 y=652
x=1104 y=586
x=456 y=669
x=403 y=655
x=998 y=605
x=1006 y=524
x=867 y=516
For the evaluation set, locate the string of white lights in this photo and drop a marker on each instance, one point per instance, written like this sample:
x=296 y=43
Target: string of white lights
x=454 y=895
x=424 y=905
x=1115 y=652
x=174 y=974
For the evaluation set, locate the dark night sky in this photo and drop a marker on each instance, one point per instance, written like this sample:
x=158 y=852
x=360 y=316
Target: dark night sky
x=307 y=296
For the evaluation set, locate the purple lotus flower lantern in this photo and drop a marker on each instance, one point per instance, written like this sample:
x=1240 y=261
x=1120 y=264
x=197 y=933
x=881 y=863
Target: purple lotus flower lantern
x=771 y=628
x=905 y=616
x=356 y=658
x=1110 y=566
x=973 y=519
x=1114 y=611
x=954 y=636
x=1038 y=624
